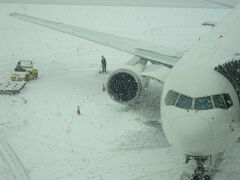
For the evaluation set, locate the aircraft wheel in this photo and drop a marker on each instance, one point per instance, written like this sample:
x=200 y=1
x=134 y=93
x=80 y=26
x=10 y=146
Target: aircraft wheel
x=206 y=177
x=195 y=177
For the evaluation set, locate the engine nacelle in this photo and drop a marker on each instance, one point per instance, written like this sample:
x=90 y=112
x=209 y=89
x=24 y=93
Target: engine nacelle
x=125 y=85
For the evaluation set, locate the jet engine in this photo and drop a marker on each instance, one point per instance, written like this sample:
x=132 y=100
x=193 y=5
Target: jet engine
x=125 y=85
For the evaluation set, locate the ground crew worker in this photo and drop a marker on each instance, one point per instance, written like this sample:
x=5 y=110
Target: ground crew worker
x=104 y=64
x=78 y=110
x=19 y=67
x=103 y=87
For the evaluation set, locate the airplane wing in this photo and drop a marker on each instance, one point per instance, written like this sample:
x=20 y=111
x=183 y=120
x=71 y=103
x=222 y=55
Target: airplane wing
x=149 y=3
x=155 y=53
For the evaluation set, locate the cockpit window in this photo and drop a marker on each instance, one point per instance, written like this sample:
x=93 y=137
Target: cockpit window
x=222 y=101
x=203 y=103
x=184 y=102
x=227 y=100
x=171 y=98
x=218 y=101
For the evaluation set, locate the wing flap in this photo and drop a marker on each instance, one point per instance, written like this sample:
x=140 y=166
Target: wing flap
x=164 y=58
x=164 y=55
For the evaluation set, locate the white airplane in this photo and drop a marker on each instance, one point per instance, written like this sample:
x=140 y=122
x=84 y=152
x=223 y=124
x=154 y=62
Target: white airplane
x=200 y=110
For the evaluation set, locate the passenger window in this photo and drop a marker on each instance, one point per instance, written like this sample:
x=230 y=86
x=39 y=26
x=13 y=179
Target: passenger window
x=203 y=103
x=184 y=102
x=218 y=101
x=171 y=98
x=227 y=100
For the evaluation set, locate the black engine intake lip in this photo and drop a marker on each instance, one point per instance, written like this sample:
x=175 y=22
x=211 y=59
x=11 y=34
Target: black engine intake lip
x=124 y=86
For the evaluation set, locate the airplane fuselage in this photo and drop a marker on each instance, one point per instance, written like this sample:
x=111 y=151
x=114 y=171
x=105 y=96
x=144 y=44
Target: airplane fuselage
x=203 y=115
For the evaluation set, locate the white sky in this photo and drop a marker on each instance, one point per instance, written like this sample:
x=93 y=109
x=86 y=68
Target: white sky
x=151 y=3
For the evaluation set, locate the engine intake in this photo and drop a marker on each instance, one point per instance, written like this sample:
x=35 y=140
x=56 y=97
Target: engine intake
x=124 y=86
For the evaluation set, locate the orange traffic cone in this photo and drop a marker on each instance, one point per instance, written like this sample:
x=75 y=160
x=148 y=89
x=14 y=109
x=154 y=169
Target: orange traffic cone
x=103 y=87
x=78 y=110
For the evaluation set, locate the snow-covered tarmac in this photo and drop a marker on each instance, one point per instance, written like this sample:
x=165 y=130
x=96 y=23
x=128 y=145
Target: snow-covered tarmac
x=42 y=137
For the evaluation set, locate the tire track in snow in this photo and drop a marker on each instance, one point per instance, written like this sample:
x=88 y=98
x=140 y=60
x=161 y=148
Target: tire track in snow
x=11 y=165
x=146 y=138
x=158 y=175
x=11 y=100
x=7 y=124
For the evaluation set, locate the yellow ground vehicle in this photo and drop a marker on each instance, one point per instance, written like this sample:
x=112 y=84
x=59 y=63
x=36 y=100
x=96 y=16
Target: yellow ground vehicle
x=20 y=76
x=24 y=71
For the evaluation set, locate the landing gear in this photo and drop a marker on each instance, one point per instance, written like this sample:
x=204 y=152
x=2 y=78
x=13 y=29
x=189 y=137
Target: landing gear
x=200 y=173
x=199 y=170
x=201 y=167
x=206 y=177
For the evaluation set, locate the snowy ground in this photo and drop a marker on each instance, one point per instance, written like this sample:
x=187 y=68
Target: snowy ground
x=42 y=137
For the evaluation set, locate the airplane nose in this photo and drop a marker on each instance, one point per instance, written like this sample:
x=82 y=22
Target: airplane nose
x=190 y=134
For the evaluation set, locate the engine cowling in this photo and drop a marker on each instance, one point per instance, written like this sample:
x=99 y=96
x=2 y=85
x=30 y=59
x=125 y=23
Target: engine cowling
x=126 y=85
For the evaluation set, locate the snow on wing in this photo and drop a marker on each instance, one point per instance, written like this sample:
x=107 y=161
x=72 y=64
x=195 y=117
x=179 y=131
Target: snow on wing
x=164 y=55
